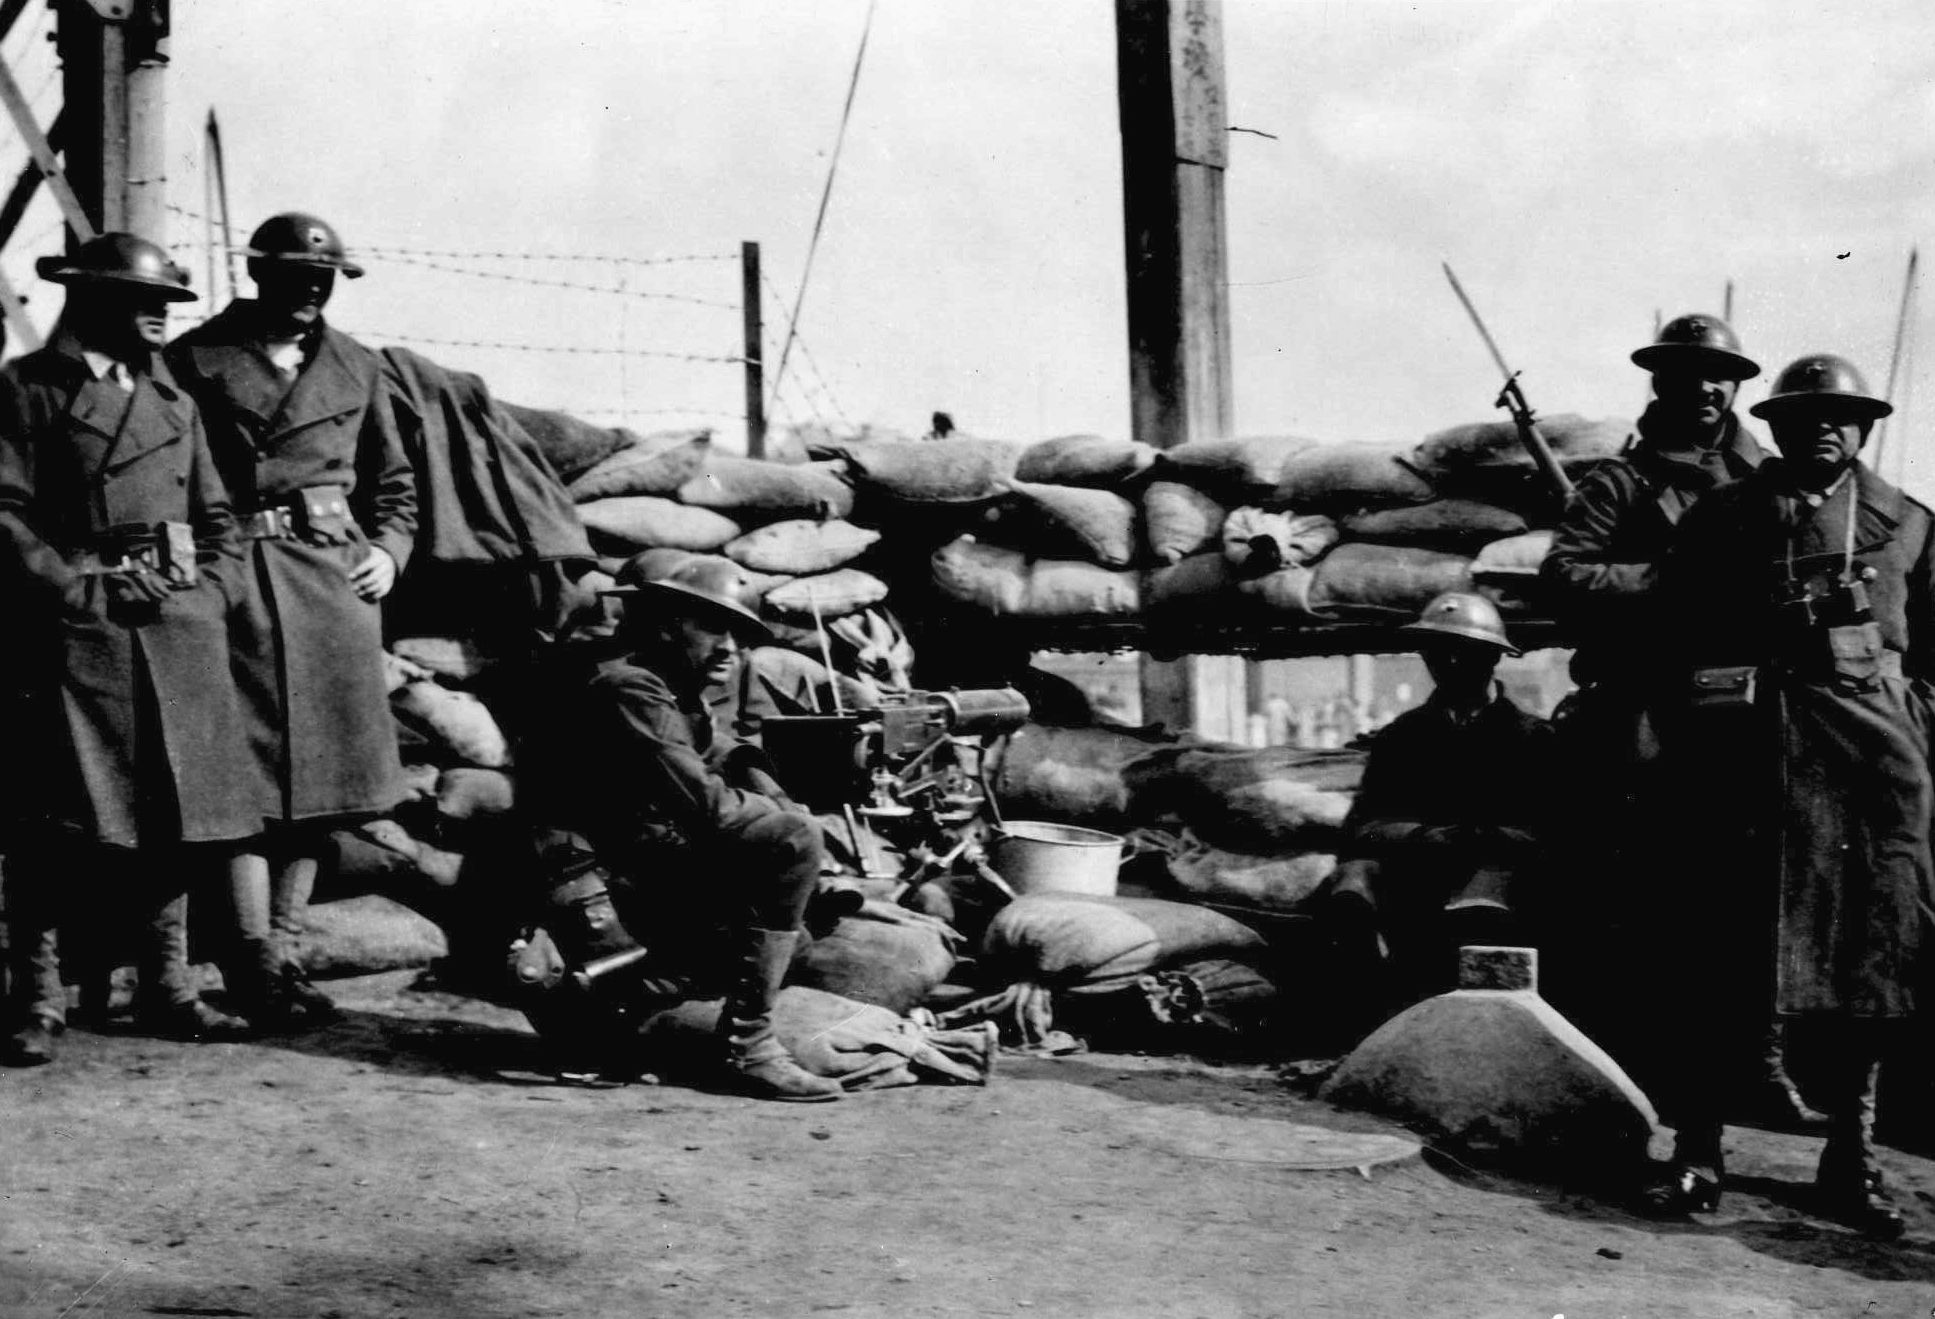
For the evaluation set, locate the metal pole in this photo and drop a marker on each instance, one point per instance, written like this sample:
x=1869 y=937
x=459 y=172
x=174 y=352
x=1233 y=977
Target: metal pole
x=1894 y=359
x=145 y=183
x=755 y=352
x=220 y=211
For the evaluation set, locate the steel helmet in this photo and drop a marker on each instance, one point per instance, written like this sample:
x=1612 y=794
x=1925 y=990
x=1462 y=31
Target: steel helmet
x=304 y=239
x=1698 y=338
x=1822 y=379
x=1465 y=616
x=119 y=258
x=700 y=586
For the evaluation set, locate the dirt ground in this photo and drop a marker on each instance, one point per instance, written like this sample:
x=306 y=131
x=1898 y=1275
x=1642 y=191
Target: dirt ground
x=406 y=1162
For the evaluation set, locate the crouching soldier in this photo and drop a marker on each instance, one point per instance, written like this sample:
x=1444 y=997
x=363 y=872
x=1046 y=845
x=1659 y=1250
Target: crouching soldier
x=1802 y=612
x=1443 y=838
x=130 y=741
x=703 y=849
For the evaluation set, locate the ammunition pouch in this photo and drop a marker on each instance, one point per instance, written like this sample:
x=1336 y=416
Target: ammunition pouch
x=318 y=514
x=1723 y=687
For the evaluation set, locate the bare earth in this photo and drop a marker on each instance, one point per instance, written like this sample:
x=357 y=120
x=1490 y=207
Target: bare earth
x=404 y=1163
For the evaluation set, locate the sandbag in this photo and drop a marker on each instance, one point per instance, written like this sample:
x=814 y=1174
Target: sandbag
x=748 y=485
x=468 y=793
x=891 y=965
x=1070 y=941
x=457 y=726
x=1260 y=800
x=433 y=863
x=1279 y=883
x=1286 y=591
x=1087 y=460
x=1096 y=525
x=836 y=594
x=861 y=1045
x=1456 y=526
x=625 y=524
x=1391 y=579
x=656 y=465
x=1008 y=582
x=1234 y=468
x=1514 y=556
x=364 y=935
x=1258 y=542
x=420 y=782
x=1336 y=477
x=950 y=471
x=1572 y=439
x=1069 y=775
x=800 y=546
x=571 y=446
x=1179 y=520
x=451 y=659
x=1201 y=581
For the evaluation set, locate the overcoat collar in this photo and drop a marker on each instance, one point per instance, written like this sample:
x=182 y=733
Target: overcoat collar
x=112 y=426
x=336 y=381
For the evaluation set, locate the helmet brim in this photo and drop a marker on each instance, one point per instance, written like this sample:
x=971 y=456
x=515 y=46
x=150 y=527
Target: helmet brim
x=342 y=264
x=1665 y=356
x=743 y=623
x=57 y=272
x=1859 y=406
x=1468 y=636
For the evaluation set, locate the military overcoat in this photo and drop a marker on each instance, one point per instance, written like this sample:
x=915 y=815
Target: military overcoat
x=1827 y=760
x=128 y=728
x=308 y=651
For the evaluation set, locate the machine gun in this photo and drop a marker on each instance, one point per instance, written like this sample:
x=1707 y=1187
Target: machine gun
x=908 y=769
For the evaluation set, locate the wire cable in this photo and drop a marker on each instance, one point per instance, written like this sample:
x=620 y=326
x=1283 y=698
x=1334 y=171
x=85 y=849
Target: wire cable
x=826 y=195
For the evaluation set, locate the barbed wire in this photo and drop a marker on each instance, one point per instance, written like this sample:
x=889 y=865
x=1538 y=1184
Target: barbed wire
x=540 y=282
x=466 y=254
x=502 y=345
x=646 y=412
x=807 y=357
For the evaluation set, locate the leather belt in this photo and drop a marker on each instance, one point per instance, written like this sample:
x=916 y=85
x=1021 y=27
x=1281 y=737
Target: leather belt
x=270 y=524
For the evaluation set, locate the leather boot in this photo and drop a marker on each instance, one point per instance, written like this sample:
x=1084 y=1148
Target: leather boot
x=1849 y=1180
x=1770 y=1098
x=757 y=1062
x=1691 y=1183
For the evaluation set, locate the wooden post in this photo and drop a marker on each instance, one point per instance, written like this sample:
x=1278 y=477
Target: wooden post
x=114 y=54
x=1169 y=67
x=755 y=352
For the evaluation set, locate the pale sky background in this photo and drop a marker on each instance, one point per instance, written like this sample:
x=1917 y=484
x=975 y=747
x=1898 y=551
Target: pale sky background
x=1580 y=164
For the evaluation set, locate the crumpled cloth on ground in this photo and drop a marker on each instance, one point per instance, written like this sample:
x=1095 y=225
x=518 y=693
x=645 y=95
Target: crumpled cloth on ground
x=861 y=1046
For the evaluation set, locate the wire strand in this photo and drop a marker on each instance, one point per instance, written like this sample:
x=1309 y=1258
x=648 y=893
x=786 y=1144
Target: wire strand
x=539 y=282
x=826 y=196
x=502 y=345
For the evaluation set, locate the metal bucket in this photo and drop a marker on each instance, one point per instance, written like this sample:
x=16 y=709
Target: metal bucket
x=1037 y=857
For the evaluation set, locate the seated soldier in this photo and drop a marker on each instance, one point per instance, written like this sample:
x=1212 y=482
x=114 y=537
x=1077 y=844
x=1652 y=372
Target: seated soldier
x=1444 y=832
x=700 y=842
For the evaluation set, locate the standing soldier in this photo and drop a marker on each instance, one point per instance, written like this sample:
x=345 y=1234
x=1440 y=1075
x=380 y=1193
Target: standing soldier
x=1603 y=570
x=1801 y=604
x=129 y=738
x=302 y=428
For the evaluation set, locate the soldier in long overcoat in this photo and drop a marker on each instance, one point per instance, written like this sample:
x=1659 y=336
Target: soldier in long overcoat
x=303 y=430
x=129 y=739
x=1802 y=615
x=1603 y=574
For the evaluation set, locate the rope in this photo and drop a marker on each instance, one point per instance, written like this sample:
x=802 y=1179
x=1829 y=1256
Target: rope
x=826 y=195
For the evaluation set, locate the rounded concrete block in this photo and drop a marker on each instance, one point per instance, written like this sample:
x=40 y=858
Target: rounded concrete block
x=1499 y=1072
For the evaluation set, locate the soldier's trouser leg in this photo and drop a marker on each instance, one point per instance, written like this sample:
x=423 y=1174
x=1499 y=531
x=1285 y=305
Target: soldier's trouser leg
x=33 y=956
x=1849 y=1176
x=166 y=981
x=777 y=865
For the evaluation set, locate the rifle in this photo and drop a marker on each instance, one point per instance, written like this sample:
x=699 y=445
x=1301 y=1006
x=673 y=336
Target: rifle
x=1512 y=399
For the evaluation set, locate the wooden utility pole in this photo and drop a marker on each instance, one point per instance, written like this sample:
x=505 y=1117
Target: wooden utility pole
x=1169 y=70
x=755 y=351
x=114 y=55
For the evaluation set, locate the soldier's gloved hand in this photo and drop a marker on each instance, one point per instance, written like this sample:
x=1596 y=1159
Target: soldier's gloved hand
x=138 y=589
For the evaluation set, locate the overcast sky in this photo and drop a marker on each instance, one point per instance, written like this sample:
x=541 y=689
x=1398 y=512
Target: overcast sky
x=1581 y=164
